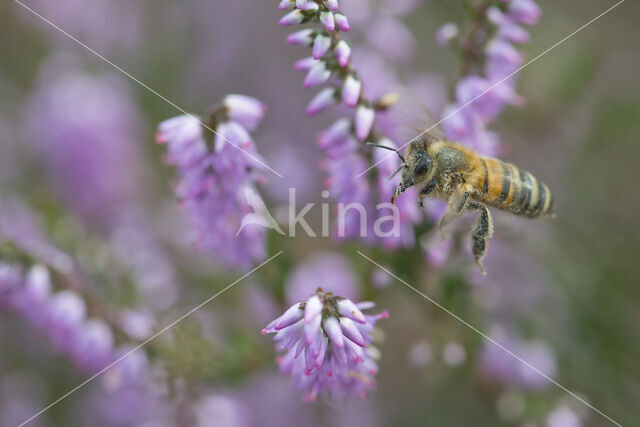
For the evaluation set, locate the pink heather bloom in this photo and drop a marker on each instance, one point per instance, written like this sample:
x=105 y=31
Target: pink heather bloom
x=212 y=183
x=332 y=5
x=301 y=38
x=351 y=91
x=365 y=117
x=321 y=45
x=328 y=20
x=310 y=5
x=305 y=64
x=446 y=33
x=525 y=11
x=61 y=316
x=342 y=23
x=85 y=127
x=287 y=5
x=245 y=110
x=343 y=53
x=294 y=17
x=323 y=100
x=234 y=134
x=502 y=368
x=490 y=91
x=507 y=28
x=317 y=75
x=327 y=346
x=500 y=50
x=391 y=36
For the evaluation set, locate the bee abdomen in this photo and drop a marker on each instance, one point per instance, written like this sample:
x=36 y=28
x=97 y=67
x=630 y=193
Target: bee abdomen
x=507 y=187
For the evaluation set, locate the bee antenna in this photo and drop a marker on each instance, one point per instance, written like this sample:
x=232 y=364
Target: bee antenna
x=388 y=148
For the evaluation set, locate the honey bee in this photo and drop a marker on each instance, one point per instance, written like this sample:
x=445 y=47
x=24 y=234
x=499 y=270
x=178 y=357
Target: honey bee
x=468 y=181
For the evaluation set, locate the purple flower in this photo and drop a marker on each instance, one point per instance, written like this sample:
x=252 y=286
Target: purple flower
x=294 y=17
x=343 y=53
x=85 y=127
x=287 y=5
x=499 y=367
x=351 y=91
x=301 y=38
x=391 y=37
x=345 y=161
x=364 y=121
x=95 y=27
x=446 y=34
x=525 y=11
x=305 y=64
x=321 y=45
x=61 y=316
x=328 y=20
x=342 y=22
x=328 y=346
x=507 y=28
x=212 y=183
x=332 y=4
x=245 y=110
x=318 y=74
x=481 y=97
x=323 y=100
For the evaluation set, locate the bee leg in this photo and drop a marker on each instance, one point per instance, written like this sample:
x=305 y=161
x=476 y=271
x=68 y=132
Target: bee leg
x=426 y=190
x=482 y=231
x=457 y=202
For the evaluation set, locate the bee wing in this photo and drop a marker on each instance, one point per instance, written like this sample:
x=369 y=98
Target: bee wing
x=431 y=136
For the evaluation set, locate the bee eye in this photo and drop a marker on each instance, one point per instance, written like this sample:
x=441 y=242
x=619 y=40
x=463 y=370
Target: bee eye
x=422 y=167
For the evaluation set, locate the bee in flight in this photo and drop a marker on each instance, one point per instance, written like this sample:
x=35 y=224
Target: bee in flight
x=468 y=181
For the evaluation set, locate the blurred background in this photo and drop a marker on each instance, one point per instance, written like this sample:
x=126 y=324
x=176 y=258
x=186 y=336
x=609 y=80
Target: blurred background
x=83 y=183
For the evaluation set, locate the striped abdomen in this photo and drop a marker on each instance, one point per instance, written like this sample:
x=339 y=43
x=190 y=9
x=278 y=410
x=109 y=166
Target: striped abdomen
x=507 y=187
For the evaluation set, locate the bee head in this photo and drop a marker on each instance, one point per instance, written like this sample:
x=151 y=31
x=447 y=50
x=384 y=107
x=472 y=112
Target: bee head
x=417 y=168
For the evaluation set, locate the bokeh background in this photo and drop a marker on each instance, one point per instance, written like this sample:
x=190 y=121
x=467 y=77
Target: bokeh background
x=78 y=164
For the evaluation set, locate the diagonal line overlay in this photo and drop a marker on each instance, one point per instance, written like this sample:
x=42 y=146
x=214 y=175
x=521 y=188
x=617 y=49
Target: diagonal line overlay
x=491 y=340
x=498 y=83
x=139 y=346
x=173 y=104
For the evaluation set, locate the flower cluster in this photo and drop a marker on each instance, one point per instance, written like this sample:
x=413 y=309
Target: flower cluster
x=327 y=345
x=466 y=119
x=62 y=316
x=86 y=129
x=342 y=142
x=213 y=177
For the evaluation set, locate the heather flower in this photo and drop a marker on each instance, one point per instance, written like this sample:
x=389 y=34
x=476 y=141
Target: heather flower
x=323 y=100
x=563 y=416
x=499 y=367
x=446 y=34
x=481 y=97
x=212 y=180
x=525 y=11
x=327 y=347
x=94 y=27
x=62 y=316
x=244 y=110
x=85 y=127
x=383 y=27
x=364 y=121
x=345 y=158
